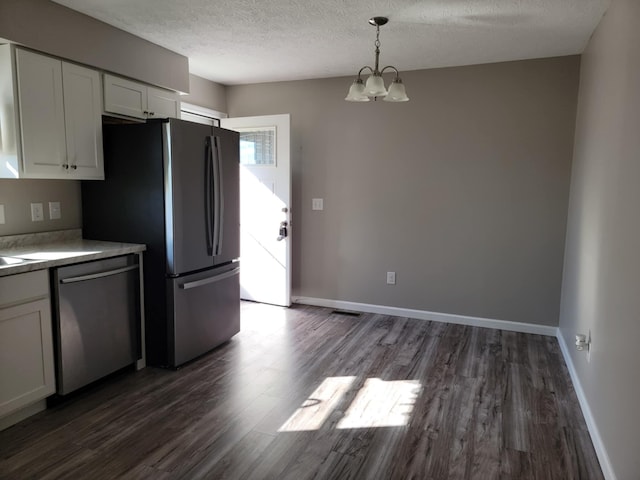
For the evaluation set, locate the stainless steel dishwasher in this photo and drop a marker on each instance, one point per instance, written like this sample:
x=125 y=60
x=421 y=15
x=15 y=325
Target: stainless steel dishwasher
x=96 y=319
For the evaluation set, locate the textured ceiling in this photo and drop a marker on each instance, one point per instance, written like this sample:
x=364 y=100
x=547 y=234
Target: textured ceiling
x=247 y=41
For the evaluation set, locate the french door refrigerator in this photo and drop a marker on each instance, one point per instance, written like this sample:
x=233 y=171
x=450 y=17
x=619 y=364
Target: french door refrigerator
x=174 y=186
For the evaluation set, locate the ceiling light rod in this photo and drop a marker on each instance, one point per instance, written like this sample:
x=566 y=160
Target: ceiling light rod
x=360 y=92
x=377 y=22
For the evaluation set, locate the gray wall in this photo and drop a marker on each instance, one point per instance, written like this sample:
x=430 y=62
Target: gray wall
x=57 y=30
x=462 y=191
x=600 y=287
x=17 y=196
x=206 y=93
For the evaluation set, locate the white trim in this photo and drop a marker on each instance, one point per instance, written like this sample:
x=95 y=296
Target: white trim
x=202 y=111
x=433 y=316
x=598 y=444
x=22 y=414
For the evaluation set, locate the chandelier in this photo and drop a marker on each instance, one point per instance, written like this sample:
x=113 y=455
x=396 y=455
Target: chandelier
x=361 y=92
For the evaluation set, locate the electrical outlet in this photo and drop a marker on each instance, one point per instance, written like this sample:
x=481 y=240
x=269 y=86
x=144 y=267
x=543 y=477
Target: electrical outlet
x=391 y=278
x=54 y=211
x=1 y=214
x=317 y=204
x=37 y=212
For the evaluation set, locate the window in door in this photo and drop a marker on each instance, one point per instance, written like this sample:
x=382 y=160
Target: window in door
x=258 y=146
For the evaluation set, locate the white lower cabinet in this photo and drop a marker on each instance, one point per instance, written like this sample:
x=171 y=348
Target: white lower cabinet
x=26 y=342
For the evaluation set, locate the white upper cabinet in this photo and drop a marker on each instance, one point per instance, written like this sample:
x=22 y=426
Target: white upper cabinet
x=125 y=97
x=83 y=121
x=133 y=99
x=41 y=114
x=162 y=103
x=51 y=124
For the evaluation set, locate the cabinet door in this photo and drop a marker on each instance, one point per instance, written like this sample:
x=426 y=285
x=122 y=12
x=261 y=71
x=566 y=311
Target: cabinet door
x=26 y=355
x=44 y=152
x=83 y=121
x=125 y=97
x=162 y=103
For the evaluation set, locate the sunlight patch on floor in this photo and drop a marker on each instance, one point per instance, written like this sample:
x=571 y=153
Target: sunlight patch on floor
x=378 y=403
x=382 y=404
x=315 y=409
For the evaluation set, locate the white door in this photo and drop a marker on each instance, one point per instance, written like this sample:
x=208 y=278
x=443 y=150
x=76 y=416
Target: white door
x=265 y=208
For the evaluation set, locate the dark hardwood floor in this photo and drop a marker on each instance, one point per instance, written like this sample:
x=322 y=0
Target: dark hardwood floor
x=303 y=393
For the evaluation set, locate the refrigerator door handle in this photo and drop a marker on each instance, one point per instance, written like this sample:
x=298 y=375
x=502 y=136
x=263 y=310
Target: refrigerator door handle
x=218 y=187
x=205 y=281
x=208 y=195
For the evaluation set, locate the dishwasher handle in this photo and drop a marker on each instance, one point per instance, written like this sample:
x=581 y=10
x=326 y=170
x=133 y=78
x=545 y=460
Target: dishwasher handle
x=93 y=276
x=205 y=281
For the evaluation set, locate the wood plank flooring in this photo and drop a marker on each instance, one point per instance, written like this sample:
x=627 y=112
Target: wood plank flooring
x=304 y=393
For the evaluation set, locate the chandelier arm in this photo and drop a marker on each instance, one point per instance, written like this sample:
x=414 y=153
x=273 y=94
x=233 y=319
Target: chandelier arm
x=392 y=67
x=363 y=69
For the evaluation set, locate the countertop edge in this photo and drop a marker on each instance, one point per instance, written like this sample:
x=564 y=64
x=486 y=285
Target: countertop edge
x=110 y=251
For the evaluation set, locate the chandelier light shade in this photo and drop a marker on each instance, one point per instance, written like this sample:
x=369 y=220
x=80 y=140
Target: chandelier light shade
x=374 y=87
x=356 y=92
x=396 y=92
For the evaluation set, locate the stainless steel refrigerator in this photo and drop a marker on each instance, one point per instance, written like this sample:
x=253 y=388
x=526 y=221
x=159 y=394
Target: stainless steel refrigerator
x=174 y=186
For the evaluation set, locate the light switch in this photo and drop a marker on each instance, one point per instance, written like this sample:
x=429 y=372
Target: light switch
x=1 y=214
x=37 y=212
x=54 y=211
x=391 y=278
x=317 y=204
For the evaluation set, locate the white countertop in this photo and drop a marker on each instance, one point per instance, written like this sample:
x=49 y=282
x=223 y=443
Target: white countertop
x=53 y=249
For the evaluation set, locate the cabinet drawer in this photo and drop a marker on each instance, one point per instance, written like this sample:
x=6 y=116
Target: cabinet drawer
x=23 y=287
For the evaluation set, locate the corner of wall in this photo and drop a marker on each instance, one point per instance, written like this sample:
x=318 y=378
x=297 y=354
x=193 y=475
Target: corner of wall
x=598 y=444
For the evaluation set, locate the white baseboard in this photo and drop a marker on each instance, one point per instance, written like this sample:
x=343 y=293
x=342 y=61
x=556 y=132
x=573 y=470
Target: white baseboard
x=433 y=316
x=22 y=414
x=598 y=445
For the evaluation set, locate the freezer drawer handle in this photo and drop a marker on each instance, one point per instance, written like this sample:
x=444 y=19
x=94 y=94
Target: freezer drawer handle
x=217 y=278
x=93 y=276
